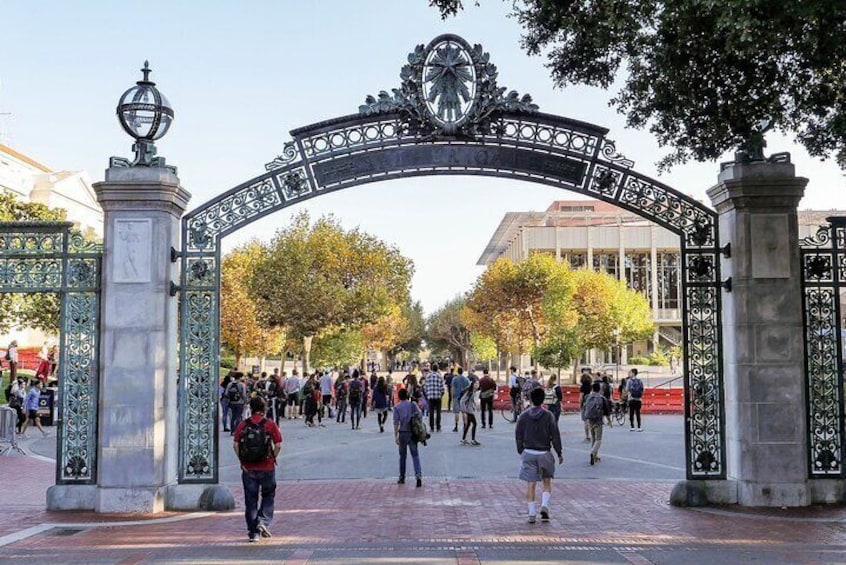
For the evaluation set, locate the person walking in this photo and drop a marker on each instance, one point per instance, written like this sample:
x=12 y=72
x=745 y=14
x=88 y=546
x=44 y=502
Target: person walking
x=403 y=413
x=487 y=390
x=634 y=386
x=258 y=442
x=459 y=383
x=467 y=402
x=596 y=409
x=236 y=392
x=327 y=384
x=224 y=400
x=31 y=405
x=552 y=397
x=13 y=359
x=585 y=385
x=536 y=436
x=433 y=390
x=341 y=399
x=354 y=396
x=514 y=385
x=380 y=402
x=292 y=389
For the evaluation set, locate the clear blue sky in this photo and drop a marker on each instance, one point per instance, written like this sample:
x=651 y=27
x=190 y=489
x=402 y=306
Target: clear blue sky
x=240 y=75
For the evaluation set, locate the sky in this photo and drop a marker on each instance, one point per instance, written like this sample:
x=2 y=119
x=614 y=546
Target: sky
x=241 y=75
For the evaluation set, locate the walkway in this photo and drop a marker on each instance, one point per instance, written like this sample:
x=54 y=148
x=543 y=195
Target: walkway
x=614 y=512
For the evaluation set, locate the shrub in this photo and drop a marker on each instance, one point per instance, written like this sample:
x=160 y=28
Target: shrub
x=638 y=360
x=227 y=362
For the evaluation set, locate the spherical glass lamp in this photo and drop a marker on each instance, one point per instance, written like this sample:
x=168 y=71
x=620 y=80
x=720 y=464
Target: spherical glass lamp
x=146 y=115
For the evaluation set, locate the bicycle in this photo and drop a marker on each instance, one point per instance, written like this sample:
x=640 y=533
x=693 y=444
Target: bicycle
x=508 y=412
x=620 y=412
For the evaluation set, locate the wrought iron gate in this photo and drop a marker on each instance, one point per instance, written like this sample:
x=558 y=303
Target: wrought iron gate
x=823 y=258
x=415 y=132
x=49 y=257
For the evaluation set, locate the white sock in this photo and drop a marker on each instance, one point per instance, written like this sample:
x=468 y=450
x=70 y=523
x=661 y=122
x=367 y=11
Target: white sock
x=533 y=509
x=545 y=498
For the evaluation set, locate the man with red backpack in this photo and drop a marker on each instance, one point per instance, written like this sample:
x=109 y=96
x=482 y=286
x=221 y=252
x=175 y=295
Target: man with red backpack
x=258 y=442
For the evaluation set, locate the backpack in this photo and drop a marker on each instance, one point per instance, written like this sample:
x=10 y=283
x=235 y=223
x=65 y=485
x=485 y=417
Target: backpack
x=355 y=394
x=254 y=443
x=419 y=433
x=233 y=393
x=8 y=356
x=595 y=408
x=8 y=392
x=635 y=388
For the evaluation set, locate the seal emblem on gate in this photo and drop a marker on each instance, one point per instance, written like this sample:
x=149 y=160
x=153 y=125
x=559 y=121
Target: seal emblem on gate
x=449 y=82
x=448 y=89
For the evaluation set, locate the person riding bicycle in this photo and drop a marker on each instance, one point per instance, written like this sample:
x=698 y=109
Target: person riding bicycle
x=515 y=382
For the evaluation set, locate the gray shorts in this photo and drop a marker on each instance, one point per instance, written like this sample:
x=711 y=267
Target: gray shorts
x=534 y=468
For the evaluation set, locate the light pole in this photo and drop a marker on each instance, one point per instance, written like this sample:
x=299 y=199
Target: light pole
x=617 y=342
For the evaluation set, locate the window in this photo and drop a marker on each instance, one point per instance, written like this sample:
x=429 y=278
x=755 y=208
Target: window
x=639 y=273
x=669 y=280
x=606 y=263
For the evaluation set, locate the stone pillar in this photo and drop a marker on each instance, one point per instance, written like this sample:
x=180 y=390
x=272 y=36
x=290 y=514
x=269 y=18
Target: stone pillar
x=763 y=352
x=137 y=455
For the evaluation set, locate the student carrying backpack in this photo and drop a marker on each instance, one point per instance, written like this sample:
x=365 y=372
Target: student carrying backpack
x=254 y=445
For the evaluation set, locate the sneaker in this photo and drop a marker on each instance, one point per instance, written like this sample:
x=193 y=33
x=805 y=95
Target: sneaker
x=265 y=533
x=464 y=442
x=419 y=482
x=483 y=426
x=640 y=429
x=474 y=442
x=544 y=514
x=532 y=519
x=631 y=429
x=401 y=481
x=254 y=538
x=455 y=429
x=592 y=458
x=597 y=458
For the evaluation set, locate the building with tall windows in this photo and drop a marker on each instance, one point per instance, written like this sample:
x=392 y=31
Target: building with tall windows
x=596 y=234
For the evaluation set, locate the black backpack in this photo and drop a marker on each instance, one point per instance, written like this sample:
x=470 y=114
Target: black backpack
x=254 y=443
x=233 y=393
x=355 y=394
x=8 y=356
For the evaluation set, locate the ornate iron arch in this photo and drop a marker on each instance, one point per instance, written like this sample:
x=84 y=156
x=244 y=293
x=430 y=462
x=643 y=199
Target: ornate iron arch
x=449 y=117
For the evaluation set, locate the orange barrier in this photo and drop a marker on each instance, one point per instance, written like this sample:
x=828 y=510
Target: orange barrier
x=655 y=400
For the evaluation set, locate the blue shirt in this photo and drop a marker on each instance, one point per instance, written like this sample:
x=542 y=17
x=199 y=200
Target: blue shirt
x=403 y=413
x=32 y=399
x=459 y=383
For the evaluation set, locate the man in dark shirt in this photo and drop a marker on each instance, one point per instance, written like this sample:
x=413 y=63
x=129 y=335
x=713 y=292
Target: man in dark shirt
x=487 y=390
x=259 y=477
x=536 y=435
x=403 y=413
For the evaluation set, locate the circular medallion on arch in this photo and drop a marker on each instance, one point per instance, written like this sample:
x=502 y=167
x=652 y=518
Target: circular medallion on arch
x=448 y=82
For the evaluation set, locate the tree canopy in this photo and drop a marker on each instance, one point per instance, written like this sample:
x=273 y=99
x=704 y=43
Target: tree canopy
x=318 y=278
x=37 y=310
x=702 y=75
x=241 y=327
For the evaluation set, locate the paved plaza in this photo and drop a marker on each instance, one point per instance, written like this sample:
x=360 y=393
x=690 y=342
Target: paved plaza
x=337 y=503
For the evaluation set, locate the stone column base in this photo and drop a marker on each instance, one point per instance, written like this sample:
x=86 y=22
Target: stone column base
x=703 y=493
x=828 y=491
x=200 y=497
x=773 y=494
x=149 y=500
x=71 y=497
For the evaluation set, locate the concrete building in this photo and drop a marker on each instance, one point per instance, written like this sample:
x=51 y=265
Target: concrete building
x=595 y=234
x=30 y=181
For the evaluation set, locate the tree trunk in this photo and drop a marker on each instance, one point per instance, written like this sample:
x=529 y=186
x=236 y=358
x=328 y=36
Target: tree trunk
x=306 y=354
x=237 y=360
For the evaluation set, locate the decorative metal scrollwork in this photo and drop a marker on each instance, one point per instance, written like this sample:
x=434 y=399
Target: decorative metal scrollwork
x=448 y=88
x=40 y=257
x=449 y=116
x=822 y=258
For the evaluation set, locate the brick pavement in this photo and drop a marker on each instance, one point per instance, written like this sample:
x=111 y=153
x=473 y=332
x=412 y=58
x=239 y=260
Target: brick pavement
x=447 y=521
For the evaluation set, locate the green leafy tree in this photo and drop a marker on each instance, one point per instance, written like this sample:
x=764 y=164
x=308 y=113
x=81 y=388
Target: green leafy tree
x=338 y=348
x=702 y=75
x=315 y=276
x=37 y=310
x=241 y=328
x=446 y=330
